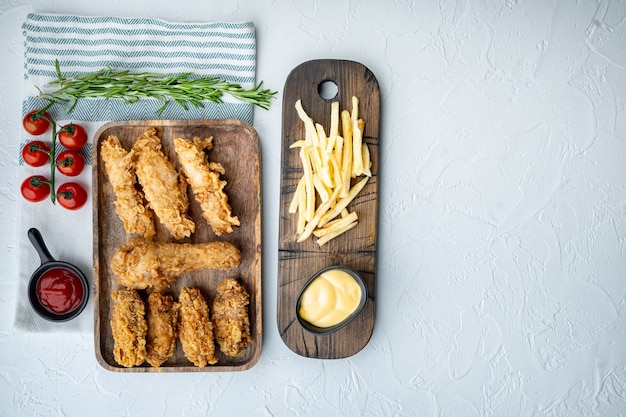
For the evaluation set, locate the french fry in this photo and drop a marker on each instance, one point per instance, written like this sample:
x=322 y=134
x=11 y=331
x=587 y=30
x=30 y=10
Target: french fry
x=298 y=205
x=308 y=123
x=309 y=187
x=336 y=225
x=314 y=153
x=295 y=201
x=298 y=144
x=322 y=140
x=334 y=127
x=320 y=187
x=367 y=163
x=336 y=173
x=357 y=139
x=339 y=151
x=346 y=160
x=326 y=238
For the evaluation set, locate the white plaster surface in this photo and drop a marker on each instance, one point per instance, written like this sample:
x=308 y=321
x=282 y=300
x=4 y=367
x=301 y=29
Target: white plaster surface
x=502 y=249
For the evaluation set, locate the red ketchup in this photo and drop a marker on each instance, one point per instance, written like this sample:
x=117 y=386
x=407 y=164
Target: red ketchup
x=60 y=290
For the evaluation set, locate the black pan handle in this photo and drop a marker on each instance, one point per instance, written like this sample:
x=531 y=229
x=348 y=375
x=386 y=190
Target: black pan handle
x=35 y=238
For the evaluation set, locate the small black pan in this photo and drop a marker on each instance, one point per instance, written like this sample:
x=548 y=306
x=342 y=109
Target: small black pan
x=48 y=263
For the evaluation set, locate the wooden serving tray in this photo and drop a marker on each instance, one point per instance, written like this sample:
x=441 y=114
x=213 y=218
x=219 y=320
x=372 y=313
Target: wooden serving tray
x=297 y=262
x=236 y=147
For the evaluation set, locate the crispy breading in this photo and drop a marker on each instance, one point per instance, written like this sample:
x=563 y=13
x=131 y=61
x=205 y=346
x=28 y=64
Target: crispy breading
x=142 y=263
x=164 y=189
x=129 y=328
x=162 y=320
x=195 y=328
x=229 y=315
x=204 y=178
x=130 y=204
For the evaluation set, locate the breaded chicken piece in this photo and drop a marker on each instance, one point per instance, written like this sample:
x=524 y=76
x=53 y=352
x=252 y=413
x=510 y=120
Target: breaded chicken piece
x=195 y=328
x=164 y=189
x=129 y=205
x=128 y=325
x=142 y=263
x=229 y=314
x=162 y=319
x=204 y=178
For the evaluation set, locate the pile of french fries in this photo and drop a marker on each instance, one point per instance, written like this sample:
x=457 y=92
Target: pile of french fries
x=330 y=162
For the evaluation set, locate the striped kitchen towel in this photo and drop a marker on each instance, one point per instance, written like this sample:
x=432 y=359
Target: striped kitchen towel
x=87 y=44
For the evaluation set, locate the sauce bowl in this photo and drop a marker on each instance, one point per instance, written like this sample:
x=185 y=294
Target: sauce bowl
x=360 y=304
x=50 y=267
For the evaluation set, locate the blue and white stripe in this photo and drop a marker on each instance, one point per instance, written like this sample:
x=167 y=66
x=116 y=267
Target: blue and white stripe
x=85 y=44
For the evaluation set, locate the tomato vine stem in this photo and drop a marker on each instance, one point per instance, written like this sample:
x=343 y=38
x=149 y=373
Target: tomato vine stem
x=53 y=126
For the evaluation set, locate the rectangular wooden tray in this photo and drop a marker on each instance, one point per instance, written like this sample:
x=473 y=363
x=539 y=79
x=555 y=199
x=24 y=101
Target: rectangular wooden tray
x=236 y=147
x=357 y=248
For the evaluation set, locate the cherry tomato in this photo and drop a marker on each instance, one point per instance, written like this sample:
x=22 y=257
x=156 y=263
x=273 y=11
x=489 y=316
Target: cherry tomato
x=70 y=163
x=36 y=153
x=35 y=124
x=71 y=195
x=35 y=188
x=73 y=136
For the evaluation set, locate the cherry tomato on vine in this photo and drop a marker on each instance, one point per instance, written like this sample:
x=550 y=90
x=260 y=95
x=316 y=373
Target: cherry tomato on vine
x=71 y=195
x=36 y=124
x=70 y=163
x=73 y=136
x=35 y=188
x=36 y=153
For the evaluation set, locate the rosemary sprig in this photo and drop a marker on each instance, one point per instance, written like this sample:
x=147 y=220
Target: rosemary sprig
x=182 y=89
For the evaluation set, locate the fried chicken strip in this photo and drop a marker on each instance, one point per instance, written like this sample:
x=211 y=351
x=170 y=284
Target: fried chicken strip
x=162 y=319
x=204 y=178
x=229 y=314
x=164 y=189
x=128 y=325
x=195 y=328
x=129 y=205
x=142 y=263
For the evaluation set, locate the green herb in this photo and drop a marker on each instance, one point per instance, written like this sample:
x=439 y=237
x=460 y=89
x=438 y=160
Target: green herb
x=183 y=89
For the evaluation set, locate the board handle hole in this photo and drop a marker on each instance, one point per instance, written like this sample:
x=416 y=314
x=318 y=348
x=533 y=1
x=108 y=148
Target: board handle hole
x=328 y=89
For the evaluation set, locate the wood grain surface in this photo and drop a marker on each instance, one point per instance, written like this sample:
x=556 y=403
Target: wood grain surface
x=236 y=147
x=357 y=248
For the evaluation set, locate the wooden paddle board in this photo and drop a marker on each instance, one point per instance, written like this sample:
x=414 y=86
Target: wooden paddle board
x=314 y=83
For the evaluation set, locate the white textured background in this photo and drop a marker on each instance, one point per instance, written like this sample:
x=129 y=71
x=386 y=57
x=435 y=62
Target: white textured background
x=502 y=262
